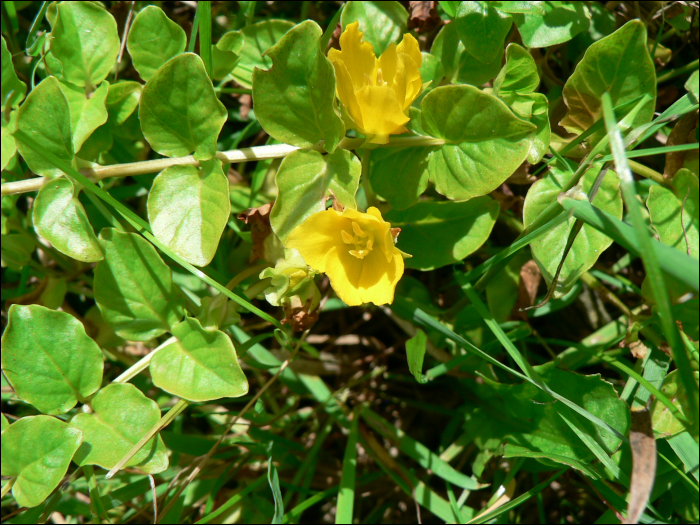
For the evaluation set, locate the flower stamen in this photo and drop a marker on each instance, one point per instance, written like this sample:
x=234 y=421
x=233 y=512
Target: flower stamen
x=363 y=241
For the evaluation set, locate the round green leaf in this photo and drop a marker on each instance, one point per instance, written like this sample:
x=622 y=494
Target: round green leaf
x=179 y=110
x=37 y=450
x=153 y=40
x=13 y=89
x=122 y=99
x=188 y=209
x=548 y=249
x=5 y=422
x=381 y=22
x=460 y=66
x=306 y=179
x=619 y=64
x=225 y=54
x=662 y=420
x=134 y=288
x=7 y=144
x=86 y=42
x=560 y=22
x=674 y=212
x=483 y=29
x=400 y=175
x=49 y=359
x=258 y=39
x=485 y=141
x=121 y=416
x=60 y=218
x=200 y=366
x=86 y=114
x=45 y=115
x=295 y=100
x=519 y=74
x=441 y=233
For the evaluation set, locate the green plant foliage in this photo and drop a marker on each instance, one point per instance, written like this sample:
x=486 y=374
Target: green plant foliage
x=400 y=175
x=258 y=38
x=482 y=29
x=134 y=288
x=554 y=23
x=121 y=415
x=619 y=64
x=415 y=352
x=47 y=114
x=85 y=40
x=502 y=291
x=674 y=212
x=8 y=144
x=440 y=233
x=662 y=420
x=382 y=23
x=13 y=89
x=49 y=359
x=306 y=179
x=225 y=54
x=86 y=114
x=200 y=366
x=179 y=111
x=60 y=218
x=484 y=141
x=589 y=244
x=295 y=98
x=37 y=451
x=153 y=40
x=188 y=209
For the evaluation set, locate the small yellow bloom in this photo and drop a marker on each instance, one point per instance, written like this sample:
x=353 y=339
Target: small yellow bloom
x=377 y=93
x=355 y=249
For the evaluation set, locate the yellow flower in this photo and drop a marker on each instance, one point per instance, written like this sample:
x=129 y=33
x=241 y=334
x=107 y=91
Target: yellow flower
x=377 y=93
x=356 y=250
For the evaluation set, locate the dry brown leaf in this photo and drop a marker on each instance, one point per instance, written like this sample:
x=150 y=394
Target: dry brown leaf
x=246 y=102
x=682 y=133
x=424 y=16
x=643 y=447
x=259 y=221
x=530 y=277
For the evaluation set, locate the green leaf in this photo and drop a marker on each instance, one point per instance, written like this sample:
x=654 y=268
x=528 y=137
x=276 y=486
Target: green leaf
x=86 y=42
x=60 y=218
x=225 y=54
x=560 y=22
x=5 y=422
x=692 y=85
x=306 y=179
x=121 y=416
x=188 y=209
x=86 y=114
x=122 y=100
x=45 y=115
x=483 y=29
x=441 y=233
x=382 y=23
x=619 y=64
x=522 y=7
x=8 y=144
x=589 y=244
x=179 y=110
x=460 y=66
x=400 y=175
x=17 y=250
x=507 y=413
x=485 y=141
x=37 y=450
x=134 y=288
x=502 y=291
x=49 y=359
x=415 y=352
x=153 y=40
x=674 y=212
x=200 y=366
x=662 y=420
x=13 y=89
x=258 y=39
x=431 y=73
x=295 y=100
x=519 y=74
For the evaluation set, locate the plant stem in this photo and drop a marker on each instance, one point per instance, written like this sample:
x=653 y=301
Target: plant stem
x=272 y=151
x=648 y=173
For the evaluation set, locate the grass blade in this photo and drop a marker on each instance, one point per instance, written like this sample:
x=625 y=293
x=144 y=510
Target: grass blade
x=346 y=496
x=205 y=35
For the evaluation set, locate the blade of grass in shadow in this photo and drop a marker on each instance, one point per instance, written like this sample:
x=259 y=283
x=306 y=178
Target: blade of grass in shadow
x=346 y=495
x=141 y=226
x=328 y=33
x=205 y=35
x=195 y=30
x=650 y=258
x=259 y=482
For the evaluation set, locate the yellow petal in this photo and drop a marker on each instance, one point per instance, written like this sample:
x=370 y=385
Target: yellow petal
x=344 y=271
x=409 y=46
x=379 y=278
x=387 y=65
x=346 y=92
x=408 y=74
x=381 y=112
x=316 y=236
x=358 y=56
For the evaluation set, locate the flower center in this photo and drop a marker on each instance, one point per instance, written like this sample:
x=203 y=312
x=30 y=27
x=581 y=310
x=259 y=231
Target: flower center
x=363 y=241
